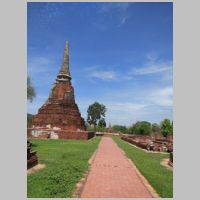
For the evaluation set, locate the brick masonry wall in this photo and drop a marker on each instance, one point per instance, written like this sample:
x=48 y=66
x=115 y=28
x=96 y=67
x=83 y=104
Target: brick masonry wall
x=63 y=134
x=150 y=143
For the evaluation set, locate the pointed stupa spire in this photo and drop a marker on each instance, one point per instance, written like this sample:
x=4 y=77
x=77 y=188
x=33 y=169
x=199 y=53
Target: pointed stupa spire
x=64 y=73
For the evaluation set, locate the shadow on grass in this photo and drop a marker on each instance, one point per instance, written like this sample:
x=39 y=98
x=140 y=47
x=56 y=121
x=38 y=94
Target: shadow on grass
x=34 y=145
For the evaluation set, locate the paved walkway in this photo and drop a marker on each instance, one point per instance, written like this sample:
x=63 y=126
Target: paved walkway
x=112 y=175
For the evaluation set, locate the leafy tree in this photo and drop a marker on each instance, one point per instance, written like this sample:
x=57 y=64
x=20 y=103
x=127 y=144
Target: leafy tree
x=120 y=128
x=142 y=128
x=96 y=112
x=102 y=123
x=155 y=128
x=100 y=129
x=166 y=127
x=30 y=90
x=30 y=96
x=29 y=119
x=130 y=130
x=172 y=128
x=88 y=127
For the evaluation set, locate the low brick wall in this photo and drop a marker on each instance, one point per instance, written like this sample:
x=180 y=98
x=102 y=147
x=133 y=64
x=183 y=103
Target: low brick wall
x=150 y=143
x=61 y=134
x=90 y=134
x=139 y=144
x=75 y=135
x=42 y=135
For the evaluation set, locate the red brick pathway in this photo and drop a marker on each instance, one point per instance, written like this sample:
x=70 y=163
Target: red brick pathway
x=112 y=175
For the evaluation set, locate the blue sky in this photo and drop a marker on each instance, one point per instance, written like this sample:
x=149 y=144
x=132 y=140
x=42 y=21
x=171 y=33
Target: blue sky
x=121 y=55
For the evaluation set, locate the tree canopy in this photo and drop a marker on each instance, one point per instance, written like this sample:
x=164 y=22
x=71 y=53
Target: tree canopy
x=30 y=96
x=96 y=112
x=146 y=128
x=166 y=127
x=142 y=128
x=29 y=119
x=30 y=90
x=102 y=123
x=119 y=128
x=156 y=128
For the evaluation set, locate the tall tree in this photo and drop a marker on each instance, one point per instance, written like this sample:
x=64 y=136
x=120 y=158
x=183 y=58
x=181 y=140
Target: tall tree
x=166 y=127
x=120 y=128
x=102 y=123
x=96 y=112
x=29 y=120
x=30 y=90
x=142 y=128
x=172 y=128
x=30 y=96
x=156 y=128
x=131 y=130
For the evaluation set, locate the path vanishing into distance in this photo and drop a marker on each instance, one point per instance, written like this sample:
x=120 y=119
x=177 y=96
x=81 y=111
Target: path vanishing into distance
x=112 y=175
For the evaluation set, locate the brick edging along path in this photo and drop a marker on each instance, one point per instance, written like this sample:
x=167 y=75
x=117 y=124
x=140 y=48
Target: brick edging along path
x=112 y=175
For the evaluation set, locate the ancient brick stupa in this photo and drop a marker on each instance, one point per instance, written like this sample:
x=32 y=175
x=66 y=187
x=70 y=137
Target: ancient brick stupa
x=60 y=109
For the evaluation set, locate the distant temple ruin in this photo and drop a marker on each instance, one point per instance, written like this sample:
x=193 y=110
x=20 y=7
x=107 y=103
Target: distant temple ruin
x=60 y=110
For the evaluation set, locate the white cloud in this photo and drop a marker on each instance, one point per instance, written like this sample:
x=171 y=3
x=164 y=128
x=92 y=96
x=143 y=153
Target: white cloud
x=39 y=65
x=115 y=6
x=151 y=57
x=123 y=18
x=168 y=77
x=99 y=26
x=162 y=97
x=125 y=106
x=105 y=75
x=117 y=12
x=157 y=68
x=153 y=66
x=125 y=112
x=42 y=71
x=95 y=72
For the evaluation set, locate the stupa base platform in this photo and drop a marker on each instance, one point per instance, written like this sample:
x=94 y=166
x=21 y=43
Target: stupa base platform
x=45 y=133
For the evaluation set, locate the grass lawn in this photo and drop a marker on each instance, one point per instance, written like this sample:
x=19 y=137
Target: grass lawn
x=65 y=160
x=149 y=165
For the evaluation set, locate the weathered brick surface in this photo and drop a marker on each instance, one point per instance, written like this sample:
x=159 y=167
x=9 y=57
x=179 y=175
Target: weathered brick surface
x=82 y=135
x=112 y=175
x=150 y=143
x=45 y=133
x=59 y=114
x=60 y=109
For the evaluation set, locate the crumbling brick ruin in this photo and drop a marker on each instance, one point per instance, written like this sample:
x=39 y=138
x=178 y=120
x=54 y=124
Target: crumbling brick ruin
x=46 y=133
x=151 y=143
